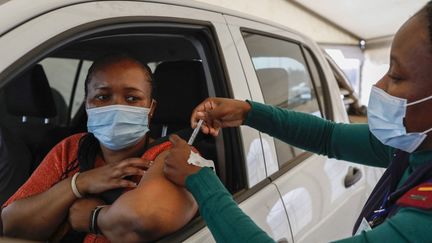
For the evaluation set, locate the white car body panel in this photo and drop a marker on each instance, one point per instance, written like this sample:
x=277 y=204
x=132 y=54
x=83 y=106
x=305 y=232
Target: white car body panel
x=313 y=190
x=265 y=210
x=309 y=200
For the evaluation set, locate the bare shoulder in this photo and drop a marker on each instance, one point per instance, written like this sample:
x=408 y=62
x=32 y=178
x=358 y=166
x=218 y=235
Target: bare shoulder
x=175 y=207
x=154 y=182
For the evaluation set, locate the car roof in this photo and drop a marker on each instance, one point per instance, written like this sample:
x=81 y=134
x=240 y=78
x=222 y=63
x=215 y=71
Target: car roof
x=16 y=12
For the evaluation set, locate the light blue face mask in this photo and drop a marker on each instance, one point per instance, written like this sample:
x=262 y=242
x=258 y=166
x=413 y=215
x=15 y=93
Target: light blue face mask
x=118 y=126
x=385 y=118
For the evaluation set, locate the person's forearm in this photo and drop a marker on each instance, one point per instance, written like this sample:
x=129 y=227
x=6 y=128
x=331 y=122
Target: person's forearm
x=352 y=142
x=299 y=129
x=39 y=216
x=226 y=221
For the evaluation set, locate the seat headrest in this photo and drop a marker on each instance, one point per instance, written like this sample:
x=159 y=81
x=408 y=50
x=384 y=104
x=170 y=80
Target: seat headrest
x=30 y=95
x=179 y=87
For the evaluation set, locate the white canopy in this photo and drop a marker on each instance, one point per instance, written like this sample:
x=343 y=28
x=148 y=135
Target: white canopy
x=366 y=19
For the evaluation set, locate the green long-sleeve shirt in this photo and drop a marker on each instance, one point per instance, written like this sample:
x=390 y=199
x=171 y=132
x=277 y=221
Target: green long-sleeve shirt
x=351 y=142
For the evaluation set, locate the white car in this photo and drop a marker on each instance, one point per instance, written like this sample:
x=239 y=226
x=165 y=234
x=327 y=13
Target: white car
x=195 y=51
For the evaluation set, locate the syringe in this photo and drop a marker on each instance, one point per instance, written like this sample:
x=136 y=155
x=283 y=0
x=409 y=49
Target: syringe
x=195 y=132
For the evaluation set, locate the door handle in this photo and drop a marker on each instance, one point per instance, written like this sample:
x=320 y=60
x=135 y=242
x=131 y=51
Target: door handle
x=353 y=175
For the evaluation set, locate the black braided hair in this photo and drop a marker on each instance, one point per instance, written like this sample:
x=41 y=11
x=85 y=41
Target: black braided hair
x=88 y=147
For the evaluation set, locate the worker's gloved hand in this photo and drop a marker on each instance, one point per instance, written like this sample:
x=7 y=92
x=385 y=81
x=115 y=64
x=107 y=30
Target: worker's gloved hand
x=176 y=167
x=218 y=113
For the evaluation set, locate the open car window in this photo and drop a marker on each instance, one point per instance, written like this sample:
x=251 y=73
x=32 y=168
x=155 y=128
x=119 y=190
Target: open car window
x=186 y=70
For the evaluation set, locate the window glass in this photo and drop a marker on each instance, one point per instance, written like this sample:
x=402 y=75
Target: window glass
x=284 y=79
x=60 y=73
x=316 y=78
x=79 y=92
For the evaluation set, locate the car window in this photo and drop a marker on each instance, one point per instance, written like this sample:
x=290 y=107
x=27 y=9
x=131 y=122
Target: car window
x=61 y=74
x=79 y=90
x=284 y=79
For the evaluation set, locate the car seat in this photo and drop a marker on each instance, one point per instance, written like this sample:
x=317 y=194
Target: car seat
x=179 y=87
x=15 y=163
x=31 y=112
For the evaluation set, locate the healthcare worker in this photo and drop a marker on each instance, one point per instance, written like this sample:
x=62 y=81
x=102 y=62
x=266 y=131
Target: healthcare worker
x=398 y=137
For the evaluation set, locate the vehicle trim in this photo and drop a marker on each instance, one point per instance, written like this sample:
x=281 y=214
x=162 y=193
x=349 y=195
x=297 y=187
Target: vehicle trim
x=82 y=31
x=180 y=3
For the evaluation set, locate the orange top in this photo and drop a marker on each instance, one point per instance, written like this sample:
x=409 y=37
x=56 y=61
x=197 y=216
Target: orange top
x=55 y=164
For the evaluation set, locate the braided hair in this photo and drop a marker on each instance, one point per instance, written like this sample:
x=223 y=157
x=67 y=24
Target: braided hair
x=88 y=147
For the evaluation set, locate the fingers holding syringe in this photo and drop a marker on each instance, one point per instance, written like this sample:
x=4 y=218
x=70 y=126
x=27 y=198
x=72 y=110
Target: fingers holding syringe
x=210 y=112
x=201 y=113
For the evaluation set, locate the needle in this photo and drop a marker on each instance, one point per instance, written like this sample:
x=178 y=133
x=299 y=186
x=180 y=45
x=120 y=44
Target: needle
x=195 y=132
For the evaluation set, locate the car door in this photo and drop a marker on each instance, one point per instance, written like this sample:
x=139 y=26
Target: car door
x=61 y=25
x=285 y=69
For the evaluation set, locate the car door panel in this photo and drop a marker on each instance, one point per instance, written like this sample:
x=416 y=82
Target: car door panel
x=265 y=209
x=320 y=207
x=313 y=192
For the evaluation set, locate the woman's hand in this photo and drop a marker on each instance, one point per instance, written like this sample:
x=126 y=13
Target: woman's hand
x=111 y=176
x=219 y=113
x=79 y=213
x=176 y=168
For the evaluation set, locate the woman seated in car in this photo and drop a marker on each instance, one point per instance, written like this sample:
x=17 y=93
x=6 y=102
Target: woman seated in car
x=75 y=188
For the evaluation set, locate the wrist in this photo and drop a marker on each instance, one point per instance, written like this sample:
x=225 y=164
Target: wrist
x=193 y=171
x=104 y=220
x=81 y=184
x=247 y=106
x=94 y=226
x=74 y=187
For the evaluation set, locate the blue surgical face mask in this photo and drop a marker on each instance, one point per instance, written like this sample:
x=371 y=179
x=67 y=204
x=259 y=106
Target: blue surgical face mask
x=385 y=118
x=118 y=126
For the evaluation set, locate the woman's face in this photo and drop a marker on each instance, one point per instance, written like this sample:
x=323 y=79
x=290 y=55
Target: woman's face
x=410 y=72
x=121 y=83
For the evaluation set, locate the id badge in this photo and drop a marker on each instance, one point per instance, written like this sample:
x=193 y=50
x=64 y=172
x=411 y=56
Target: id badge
x=364 y=226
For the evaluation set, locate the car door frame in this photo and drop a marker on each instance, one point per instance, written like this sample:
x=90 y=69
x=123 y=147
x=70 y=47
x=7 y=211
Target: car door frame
x=66 y=24
x=307 y=161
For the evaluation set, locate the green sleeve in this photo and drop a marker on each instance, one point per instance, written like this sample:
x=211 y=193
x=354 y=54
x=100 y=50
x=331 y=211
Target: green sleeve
x=408 y=225
x=226 y=221
x=351 y=142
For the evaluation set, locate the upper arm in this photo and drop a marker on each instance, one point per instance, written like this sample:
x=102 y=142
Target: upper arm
x=354 y=142
x=156 y=207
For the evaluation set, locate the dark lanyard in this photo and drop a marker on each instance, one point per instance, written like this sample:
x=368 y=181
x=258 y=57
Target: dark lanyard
x=396 y=169
x=380 y=214
x=388 y=207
